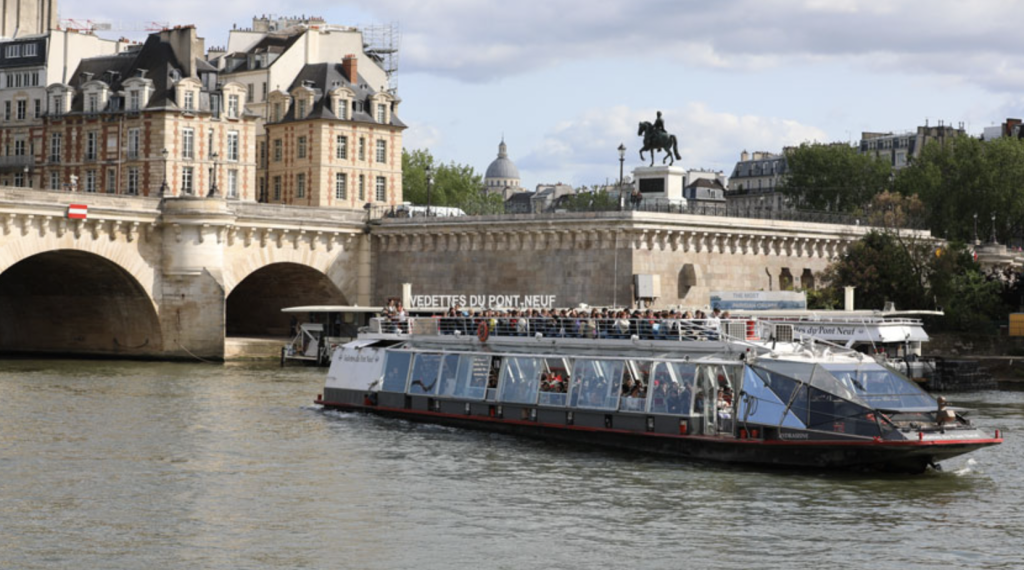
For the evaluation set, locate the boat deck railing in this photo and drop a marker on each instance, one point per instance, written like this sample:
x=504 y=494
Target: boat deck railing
x=587 y=328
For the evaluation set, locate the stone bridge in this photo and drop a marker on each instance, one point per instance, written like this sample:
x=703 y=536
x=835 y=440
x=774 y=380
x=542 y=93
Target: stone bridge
x=145 y=277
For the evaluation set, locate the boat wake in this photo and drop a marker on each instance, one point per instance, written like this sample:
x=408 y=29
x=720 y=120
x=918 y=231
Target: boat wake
x=970 y=467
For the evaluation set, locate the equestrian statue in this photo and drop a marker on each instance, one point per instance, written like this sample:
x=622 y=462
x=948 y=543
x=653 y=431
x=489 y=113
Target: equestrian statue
x=655 y=138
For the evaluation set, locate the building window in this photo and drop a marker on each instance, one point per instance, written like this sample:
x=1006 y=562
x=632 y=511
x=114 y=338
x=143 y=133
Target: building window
x=19 y=147
x=90 y=145
x=186 y=180
x=54 y=180
x=188 y=143
x=190 y=100
x=14 y=51
x=233 y=105
x=55 y=147
x=111 y=180
x=264 y=92
x=342 y=109
x=232 y=153
x=90 y=180
x=37 y=108
x=300 y=112
x=277 y=112
x=362 y=188
x=341 y=153
x=362 y=148
x=382 y=113
x=341 y=186
x=249 y=90
x=300 y=185
x=21 y=105
x=134 y=136
x=19 y=179
x=232 y=183
x=381 y=189
x=28 y=50
x=7 y=110
x=277 y=188
x=278 y=150
x=133 y=180
x=382 y=151
x=93 y=105
x=300 y=147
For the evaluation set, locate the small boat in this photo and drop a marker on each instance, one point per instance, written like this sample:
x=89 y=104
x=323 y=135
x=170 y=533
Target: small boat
x=740 y=390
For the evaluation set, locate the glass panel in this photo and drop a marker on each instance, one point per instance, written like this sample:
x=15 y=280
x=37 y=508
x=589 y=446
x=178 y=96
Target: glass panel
x=634 y=389
x=471 y=382
x=880 y=387
x=396 y=371
x=449 y=375
x=597 y=383
x=672 y=387
x=784 y=388
x=831 y=413
x=520 y=379
x=758 y=404
x=554 y=382
x=424 y=374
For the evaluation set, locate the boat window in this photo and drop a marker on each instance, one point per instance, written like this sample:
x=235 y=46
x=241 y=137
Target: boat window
x=425 y=369
x=672 y=385
x=880 y=387
x=471 y=377
x=396 y=371
x=554 y=382
x=758 y=403
x=520 y=379
x=813 y=375
x=635 y=386
x=829 y=412
x=786 y=389
x=449 y=376
x=597 y=383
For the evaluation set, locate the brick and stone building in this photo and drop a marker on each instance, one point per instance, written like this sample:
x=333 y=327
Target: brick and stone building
x=900 y=149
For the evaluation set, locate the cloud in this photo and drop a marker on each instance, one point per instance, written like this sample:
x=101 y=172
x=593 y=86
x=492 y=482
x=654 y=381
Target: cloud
x=421 y=135
x=584 y=149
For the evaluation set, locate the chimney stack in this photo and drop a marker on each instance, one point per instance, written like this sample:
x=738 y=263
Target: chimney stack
x=351 y=69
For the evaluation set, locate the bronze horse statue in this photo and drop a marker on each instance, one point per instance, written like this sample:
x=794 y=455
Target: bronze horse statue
x=658 y=140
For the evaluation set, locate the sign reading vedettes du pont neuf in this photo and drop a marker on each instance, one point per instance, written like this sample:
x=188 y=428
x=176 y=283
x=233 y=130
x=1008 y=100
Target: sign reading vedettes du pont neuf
x=483 y=301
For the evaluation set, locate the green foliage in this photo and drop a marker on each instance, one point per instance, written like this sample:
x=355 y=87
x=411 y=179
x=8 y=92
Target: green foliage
x=880 y=270
x=966 y=176
x=588 y=201
x=455 y=185
x=833 y=177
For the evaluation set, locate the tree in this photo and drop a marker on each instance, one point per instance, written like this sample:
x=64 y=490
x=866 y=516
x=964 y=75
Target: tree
x=833 y=177
x=455 y=185
x=967 y=176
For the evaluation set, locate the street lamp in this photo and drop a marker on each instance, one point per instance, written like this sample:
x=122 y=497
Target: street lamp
x=430 y=185
x=994 y=229
x=976 y=242
x=622 y=161
x=213 y=184
x=27 y=181
x=163 y=185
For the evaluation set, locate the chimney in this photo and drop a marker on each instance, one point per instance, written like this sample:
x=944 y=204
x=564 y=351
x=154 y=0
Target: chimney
x=351 y=69
x=744 y=156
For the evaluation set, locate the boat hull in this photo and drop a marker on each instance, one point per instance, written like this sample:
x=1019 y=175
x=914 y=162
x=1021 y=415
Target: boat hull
x=639 y=432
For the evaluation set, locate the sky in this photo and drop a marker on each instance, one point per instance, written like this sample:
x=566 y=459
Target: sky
x=566 y=82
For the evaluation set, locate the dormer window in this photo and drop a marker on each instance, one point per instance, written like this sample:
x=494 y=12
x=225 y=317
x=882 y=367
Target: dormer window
x=189 y=100
x=342 y=106
x=277 y=112
x=93 y=103
x=382 y=113
x=134 y=98
x=301 y=111
x=233 y=106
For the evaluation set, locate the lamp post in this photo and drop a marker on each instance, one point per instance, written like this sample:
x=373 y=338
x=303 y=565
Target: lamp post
x=994 y=229
x=976 y=242
x=163 y=185
x=430 y=185
x=27 y=181
x=622 y=161
x=213 y=179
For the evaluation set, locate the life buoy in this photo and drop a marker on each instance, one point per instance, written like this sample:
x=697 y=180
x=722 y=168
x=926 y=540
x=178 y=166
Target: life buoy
x=482 y=331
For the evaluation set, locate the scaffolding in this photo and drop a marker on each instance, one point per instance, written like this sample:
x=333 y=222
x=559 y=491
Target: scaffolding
x=380 y=41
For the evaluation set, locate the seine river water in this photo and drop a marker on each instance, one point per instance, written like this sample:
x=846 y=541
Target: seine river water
x=143 y=465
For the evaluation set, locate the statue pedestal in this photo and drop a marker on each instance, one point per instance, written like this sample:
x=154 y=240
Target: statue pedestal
x=660 y=182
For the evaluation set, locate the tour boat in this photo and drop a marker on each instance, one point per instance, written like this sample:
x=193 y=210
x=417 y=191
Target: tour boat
x=744 y=391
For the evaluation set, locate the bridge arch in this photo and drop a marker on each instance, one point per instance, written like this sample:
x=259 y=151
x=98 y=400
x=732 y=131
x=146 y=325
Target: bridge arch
x=73 y=301
x=253 y=306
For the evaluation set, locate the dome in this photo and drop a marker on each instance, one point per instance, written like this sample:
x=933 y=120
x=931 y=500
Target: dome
x=502 y=168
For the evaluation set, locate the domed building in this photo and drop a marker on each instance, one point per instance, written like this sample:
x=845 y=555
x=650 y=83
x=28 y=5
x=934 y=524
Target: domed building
x=502 y=176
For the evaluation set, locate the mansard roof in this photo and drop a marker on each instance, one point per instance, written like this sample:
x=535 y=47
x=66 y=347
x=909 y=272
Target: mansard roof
x=323 y=78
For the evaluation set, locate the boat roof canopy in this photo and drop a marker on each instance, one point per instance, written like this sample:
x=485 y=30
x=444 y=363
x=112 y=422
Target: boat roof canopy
x=350 y=309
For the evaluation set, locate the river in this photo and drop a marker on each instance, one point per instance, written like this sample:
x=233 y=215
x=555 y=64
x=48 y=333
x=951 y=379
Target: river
x=156 y=465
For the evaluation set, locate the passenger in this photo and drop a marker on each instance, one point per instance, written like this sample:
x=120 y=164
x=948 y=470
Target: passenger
x=622 y=325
